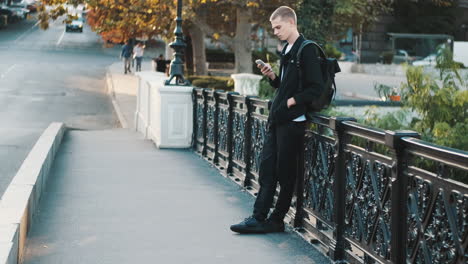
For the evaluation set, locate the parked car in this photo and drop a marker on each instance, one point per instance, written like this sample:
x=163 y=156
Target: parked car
x=19 y=10
x=75 y=25
x=427 y=61
x=402 y=56
x=3 y=21
x=4 y=10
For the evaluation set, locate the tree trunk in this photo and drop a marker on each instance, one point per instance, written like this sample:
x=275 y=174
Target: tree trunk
x=360 y=44
x=188 y=54
x=199 y=52
x=242 y=42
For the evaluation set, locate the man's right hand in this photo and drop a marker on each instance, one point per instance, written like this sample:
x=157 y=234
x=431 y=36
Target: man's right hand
x=267 y=71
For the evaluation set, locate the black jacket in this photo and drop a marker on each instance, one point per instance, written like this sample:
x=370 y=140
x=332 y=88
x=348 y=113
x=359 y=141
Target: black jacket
x=312 y=83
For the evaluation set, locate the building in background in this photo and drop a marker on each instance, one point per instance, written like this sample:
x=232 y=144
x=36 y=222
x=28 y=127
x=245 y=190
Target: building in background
x=377 y=39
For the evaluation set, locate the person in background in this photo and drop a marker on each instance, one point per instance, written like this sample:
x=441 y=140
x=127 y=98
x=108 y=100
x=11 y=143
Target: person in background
x=138 y=51
x=161 y=64
x=126 y=54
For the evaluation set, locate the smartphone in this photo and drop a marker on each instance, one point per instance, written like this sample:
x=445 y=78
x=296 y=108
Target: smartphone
x=260 y=62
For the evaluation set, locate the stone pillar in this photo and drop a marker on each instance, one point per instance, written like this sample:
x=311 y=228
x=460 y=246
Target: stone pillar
x=142 y=113
x=165 y=112
x=246 y=83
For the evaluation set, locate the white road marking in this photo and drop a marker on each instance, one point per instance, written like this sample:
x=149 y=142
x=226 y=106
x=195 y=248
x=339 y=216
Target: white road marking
x=61 y=37
x=26 y=32
x=7 y=71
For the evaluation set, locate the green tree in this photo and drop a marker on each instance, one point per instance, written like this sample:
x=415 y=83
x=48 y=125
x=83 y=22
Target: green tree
x=435 y=17
x=328 y=20
x=442 y=104
x=315 y=19
x=358 y=15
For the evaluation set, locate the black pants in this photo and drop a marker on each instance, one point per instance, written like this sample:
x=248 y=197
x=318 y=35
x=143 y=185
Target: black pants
x=278 y=163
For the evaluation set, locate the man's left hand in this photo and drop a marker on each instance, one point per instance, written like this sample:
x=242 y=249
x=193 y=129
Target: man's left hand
x=291 y=102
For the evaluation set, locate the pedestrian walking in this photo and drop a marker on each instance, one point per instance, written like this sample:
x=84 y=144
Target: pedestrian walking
x=126 y=54
x=284 y=138
x=138 y=51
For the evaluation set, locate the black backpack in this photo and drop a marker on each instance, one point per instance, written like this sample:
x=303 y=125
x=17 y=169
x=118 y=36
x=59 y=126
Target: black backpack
x=329 y=67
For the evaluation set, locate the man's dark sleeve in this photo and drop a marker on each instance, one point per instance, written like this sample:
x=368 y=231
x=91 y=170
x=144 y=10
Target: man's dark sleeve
x=275 y=83
x=312 y=81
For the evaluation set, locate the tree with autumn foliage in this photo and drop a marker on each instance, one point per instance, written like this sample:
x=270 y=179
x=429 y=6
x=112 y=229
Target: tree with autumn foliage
x=117 y=20
x=230 y=22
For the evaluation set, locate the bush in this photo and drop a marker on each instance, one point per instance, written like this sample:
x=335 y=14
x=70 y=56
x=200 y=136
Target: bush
x=213 y=82
x=264 y=55
x=219 y=55
x=332 y=51
x=442 y=106
x=266 y=91
x=387 y=57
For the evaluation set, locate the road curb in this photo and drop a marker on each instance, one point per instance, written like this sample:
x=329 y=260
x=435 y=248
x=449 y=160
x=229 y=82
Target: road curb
x=20 y=201
x=111 y=92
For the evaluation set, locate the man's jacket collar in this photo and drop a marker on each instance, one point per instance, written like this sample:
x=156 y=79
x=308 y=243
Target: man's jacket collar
x=291 y=55
x=296 y=44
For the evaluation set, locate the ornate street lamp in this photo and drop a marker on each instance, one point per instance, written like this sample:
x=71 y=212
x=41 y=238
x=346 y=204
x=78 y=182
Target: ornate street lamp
x=177 y=65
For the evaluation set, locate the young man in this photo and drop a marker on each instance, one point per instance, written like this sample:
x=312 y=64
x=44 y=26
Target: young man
x=286 y=125
x=126 y=54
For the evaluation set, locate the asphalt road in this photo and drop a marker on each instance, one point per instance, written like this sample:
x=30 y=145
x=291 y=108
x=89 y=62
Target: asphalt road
x=48 y=76
x=361 y=86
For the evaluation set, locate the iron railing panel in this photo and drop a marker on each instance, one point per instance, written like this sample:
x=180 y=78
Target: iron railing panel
x=367 y=195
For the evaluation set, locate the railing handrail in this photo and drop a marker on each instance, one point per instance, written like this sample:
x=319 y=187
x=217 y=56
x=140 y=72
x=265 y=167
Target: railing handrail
x=450 y=156
x=355 y=129
x=339 y=180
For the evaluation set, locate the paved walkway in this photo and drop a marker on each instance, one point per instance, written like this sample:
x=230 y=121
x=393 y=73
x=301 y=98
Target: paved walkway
x=114 y=198
x=123 y=89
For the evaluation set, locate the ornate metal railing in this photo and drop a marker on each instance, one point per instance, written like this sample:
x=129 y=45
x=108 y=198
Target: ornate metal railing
x=367 y=195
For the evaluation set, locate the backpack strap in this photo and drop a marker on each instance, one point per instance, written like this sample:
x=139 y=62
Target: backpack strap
x=298 y=58
x=305 y=43
x=298 y=61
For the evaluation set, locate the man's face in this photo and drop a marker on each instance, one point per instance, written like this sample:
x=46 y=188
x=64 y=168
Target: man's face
x=282 y=27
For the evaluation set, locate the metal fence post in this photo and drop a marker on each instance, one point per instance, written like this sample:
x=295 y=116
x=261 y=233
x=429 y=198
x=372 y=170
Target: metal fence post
x=399 y=196
x=337 y=247
x=216 y=127
x=205 y=107
x=248 y=137
x=229 y=130
x=194 y=119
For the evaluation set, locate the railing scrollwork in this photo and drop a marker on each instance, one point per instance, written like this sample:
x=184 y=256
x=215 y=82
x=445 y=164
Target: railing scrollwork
x=367 y=195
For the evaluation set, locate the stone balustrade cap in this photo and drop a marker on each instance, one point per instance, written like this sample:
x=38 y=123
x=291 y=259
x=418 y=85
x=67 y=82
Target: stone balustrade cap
x=246 y=76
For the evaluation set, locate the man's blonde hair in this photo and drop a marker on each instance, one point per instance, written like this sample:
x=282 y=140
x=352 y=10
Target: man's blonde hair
x=284 y=12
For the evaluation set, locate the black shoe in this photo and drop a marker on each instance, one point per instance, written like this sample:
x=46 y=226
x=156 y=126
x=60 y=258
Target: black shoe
x=273 y=226
x=250 y=225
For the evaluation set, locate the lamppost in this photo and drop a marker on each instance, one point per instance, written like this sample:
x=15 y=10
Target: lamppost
x=177 y=65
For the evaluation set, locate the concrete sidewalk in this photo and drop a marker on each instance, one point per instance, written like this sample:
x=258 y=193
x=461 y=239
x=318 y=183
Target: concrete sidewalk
x=123 y=89
x=112 y=198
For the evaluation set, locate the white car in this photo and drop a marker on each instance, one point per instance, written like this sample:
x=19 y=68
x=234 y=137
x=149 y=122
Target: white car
x=427 y=61
x=75 y=25
x=20 y=10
